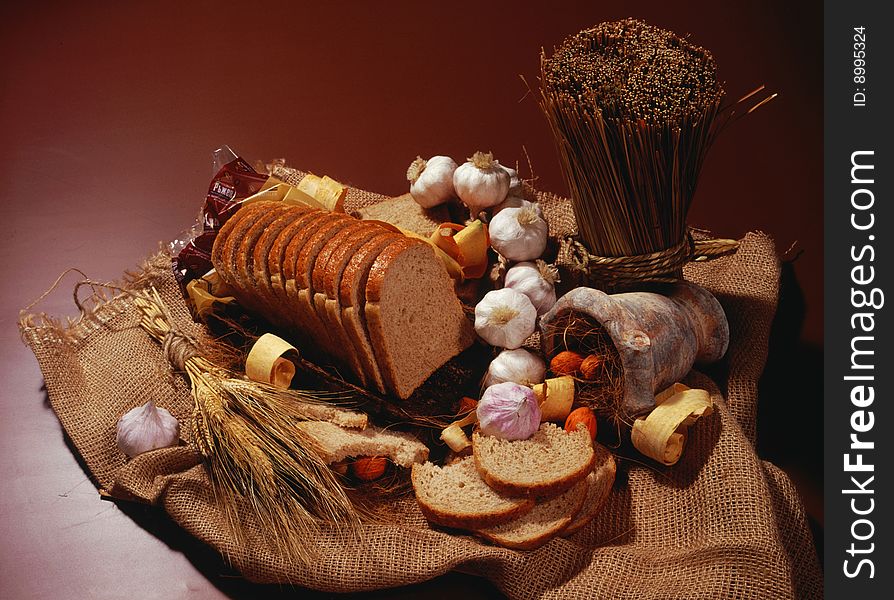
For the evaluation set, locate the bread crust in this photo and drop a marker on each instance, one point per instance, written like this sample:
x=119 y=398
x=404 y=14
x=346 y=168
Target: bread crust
x=607 y=477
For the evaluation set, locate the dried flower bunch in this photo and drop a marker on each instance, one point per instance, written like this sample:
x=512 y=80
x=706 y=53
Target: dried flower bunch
x=634 y=109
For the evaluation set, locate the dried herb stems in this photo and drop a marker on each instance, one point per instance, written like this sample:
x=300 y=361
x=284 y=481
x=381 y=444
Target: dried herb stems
x=633 y=109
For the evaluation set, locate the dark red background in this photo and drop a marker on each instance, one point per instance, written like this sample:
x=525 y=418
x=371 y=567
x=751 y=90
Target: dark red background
x=109 y=113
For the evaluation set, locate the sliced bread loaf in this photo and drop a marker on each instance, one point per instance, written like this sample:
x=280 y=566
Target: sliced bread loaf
x=545 y=521
x=456 y=496
x=544 y=465
x=599 y=485
x=335 y=443
x=415 y=321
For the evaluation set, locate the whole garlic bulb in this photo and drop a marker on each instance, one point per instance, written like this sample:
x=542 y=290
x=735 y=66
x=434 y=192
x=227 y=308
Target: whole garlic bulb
x=481 y=182
x=431 y=181
x=536 y=280
x=517 y=366
x=505 y=318
x=146 y=428
x=509 y=411
x=519 y=233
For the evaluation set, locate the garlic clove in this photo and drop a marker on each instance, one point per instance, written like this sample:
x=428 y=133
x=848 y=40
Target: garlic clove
x=431 y=181
x=505 y=318
x=517 y=366
x=146 y=428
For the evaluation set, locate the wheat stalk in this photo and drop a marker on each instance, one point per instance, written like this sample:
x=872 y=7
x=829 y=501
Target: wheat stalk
x=259 y=461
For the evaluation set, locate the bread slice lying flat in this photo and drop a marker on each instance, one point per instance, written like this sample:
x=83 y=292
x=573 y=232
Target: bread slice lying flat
x=335 y=443
x=600 y=484
x=404 y=212
x=544 y=465
x=456 y=496
x=546 y=520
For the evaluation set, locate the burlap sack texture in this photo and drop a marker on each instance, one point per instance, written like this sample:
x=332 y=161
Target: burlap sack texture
x=720 y=524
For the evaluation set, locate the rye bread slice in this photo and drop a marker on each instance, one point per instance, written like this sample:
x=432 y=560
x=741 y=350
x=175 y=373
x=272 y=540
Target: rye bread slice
x=600 y=483
x=334 y=257
x=223 y=243
x=334 y=443
x=456 y=496
x=415 y=321
x=229 y=256
x=277 y=253
x=301 y=291
x=220 y=240
x=352 y=298
x=404 y=212
x=546 y=520
x=288 y=265
x=245 y=253
x=544 y=465
x=260 y=257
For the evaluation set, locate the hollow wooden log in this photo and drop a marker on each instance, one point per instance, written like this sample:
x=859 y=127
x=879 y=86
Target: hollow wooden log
x=659 y=337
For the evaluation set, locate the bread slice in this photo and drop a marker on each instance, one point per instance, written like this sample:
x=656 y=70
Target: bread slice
x=415 y=321
x=223 y=242
x=260 y=257
x=220 y=239
x=456 y=496
x=289 y=266
x=335 y=443
x=544 y=465
x=330 y=265
x=229 y=256
x=545 y=521
x=277 y=254
x=244 y=254
x=404 y=212
x=599 y=485
x=301 y=292
x=352 y=299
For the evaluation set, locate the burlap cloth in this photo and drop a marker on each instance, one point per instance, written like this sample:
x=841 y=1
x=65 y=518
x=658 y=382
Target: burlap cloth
x=721 y=523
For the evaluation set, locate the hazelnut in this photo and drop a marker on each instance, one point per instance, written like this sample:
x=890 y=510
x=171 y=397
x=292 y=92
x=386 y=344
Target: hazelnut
x=566 y=362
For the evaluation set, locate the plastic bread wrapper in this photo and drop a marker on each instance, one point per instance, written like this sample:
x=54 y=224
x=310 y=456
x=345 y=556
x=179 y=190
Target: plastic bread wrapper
x=266 y=361
x=234 y=184
x=661 y=435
